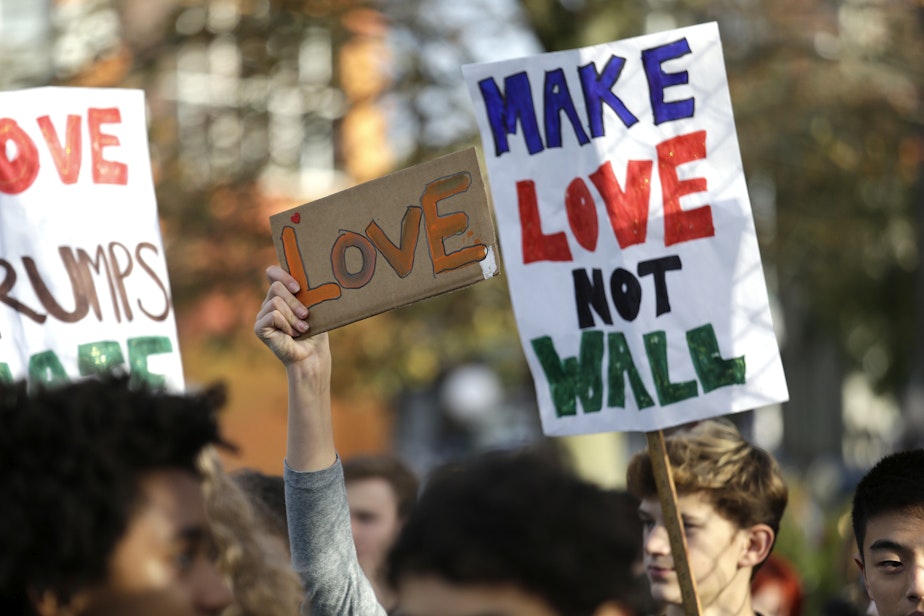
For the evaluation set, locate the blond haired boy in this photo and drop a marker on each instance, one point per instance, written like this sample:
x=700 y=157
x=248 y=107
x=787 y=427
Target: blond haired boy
x=731 y=497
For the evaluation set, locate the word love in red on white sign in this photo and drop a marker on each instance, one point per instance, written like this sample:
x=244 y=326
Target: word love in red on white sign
x=19 y=154
x=626 y=208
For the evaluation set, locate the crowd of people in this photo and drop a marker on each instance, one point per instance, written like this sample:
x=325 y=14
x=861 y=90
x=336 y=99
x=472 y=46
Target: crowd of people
x=113 y=501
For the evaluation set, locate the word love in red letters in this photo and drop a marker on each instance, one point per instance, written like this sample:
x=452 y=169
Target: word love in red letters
x=627 y=208
x=19 y=164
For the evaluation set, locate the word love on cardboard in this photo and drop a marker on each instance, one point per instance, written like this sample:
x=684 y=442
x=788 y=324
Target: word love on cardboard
x=407 y=236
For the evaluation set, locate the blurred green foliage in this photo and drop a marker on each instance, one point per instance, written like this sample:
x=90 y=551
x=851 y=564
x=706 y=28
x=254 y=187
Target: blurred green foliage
x=828 y=105
x=818 y=541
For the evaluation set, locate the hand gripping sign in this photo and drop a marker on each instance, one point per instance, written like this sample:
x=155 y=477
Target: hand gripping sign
x=416 y=233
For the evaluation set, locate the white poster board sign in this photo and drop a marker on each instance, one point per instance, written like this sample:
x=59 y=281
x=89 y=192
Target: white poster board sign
x=83 y=279
x=627 y=233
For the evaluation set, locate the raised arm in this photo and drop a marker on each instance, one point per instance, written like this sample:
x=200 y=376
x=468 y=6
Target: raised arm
x=323 y=553
x=310 y=441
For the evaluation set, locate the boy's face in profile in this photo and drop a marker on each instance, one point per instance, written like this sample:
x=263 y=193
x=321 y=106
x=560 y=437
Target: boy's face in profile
x=892 y=562
x=167 y=546
x=716 y=549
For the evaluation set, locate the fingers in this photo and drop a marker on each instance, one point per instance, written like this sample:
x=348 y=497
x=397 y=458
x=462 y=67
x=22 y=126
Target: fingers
x=284 y=285
x=274 y=273
x=281 y=309
x=283 y=312
x=278 y=291
x=274 y=320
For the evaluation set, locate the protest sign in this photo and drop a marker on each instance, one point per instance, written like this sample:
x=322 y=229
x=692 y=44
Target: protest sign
x=627 y=234
x=83 y=287
x=407 y=236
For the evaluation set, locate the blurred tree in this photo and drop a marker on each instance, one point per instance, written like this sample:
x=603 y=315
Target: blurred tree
x=257 y=106
x=827 y=99
x=247 y=107
x=430 y=108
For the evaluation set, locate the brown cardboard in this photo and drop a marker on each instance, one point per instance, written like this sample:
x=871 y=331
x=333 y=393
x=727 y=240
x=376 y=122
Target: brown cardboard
x=351 y=251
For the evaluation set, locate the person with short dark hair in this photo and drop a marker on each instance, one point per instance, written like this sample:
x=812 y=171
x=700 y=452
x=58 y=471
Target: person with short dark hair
x=515 y=533
x=888 y=523
x=381 y=491
x=389 y=467
x=731 y=496
x=101 y=496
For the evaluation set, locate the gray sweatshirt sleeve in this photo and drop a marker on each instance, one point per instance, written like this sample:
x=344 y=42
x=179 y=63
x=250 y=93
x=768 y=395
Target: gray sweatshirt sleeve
x=323 y=553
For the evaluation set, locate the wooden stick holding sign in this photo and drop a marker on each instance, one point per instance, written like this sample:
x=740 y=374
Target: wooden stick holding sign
x=667 y=495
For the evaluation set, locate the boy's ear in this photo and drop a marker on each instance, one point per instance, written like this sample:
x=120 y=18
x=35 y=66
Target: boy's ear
x=759 y=543
x=857 y=558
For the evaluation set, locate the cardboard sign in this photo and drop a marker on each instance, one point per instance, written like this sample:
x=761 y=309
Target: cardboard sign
x=410 y=235
x=627 y=232
x=84 y=280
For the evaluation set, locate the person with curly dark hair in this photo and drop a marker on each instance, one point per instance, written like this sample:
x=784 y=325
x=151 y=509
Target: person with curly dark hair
x=101 y=497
